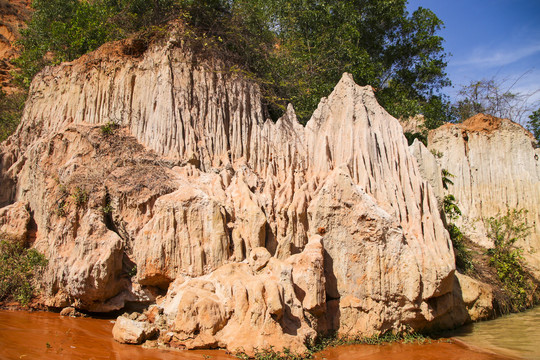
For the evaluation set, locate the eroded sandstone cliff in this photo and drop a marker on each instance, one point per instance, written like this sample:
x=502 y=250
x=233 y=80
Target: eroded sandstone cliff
x=495 y=166
x=154 y=178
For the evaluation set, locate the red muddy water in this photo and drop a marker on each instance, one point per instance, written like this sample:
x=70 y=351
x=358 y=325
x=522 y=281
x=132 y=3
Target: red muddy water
x=437 y=350
x=42 y=335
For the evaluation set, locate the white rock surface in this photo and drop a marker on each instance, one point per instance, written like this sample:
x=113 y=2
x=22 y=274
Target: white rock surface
x=496 y=168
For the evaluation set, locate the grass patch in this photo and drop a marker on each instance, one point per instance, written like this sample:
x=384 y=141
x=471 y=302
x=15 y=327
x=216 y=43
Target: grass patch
x=334 y=340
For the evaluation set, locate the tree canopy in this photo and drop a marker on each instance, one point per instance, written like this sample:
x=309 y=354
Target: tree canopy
x=534 y=125
x=297 y=49
x=495 y=97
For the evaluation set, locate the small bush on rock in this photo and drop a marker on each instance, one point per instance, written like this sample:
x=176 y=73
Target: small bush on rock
x=11 y=108
x=506 y=257
x=18 y=266
x=80 y=196
x=464 y=260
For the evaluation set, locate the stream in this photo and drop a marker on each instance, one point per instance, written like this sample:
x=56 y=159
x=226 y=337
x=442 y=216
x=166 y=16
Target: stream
x=515 y=335
x=42 y=335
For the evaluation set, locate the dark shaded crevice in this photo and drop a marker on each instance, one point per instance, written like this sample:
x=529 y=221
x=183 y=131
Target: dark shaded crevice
x=228 y=219
x=107 y=214
x=243 y=248
x=129 y=268
x=332 y=292
x=8 y=184
x=31 y=230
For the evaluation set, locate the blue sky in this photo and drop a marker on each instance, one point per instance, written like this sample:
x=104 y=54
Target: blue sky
x=490 y=38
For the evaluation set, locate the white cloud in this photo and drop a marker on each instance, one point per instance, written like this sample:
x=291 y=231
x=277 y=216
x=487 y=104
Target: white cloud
x=488 y=57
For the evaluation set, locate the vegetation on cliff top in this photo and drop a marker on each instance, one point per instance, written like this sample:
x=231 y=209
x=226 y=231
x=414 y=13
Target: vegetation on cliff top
x=296 y=49
x=534 y=125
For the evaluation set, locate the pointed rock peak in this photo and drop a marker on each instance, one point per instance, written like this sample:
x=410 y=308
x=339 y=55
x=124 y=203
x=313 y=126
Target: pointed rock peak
x=348 y=103
x=347 y=78
x=289 y=120
x=290 y=109
x=417 y=144
x=347 y=82
x=290 y=114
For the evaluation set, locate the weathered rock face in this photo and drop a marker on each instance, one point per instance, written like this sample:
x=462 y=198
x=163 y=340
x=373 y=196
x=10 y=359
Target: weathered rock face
x=429 y=168
x=246 y=233
x=496 y=168
x=242 y=306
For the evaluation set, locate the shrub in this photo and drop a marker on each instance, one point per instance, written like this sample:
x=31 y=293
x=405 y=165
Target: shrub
x=109 y=128
x=61 y=208
x=438 y=155
x=80 y=196
x=464 y=260
x=506 y=257
x=107 y=209
x=450 y=208
x=333 y=340
x=445 y=177
x=18 y=266
x=11 y=108
x=463 y=255
x=534 y=125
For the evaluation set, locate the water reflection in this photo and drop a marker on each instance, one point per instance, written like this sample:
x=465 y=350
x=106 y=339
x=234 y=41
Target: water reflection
x=515 y=334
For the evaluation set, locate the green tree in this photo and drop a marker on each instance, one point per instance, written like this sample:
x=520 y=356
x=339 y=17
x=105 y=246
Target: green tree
x=494 y=97
x=534 y=124
x=397 y=53
x=297 y=49
x=62 y=30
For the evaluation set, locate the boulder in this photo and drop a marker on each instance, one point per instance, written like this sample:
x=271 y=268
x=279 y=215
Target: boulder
x=14 y=221
x=477 y=297
x=127 y=331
